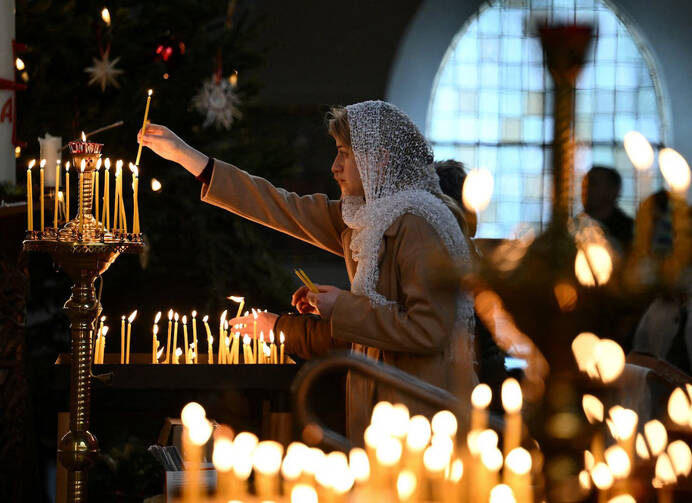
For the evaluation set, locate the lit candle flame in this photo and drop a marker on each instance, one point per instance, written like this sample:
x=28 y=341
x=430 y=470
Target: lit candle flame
x=444 y=423
x=176 y=317
x=518 y=461
x=158 y=317
x=223 y=316
x=107 y=163
x=150 y=92
x=194 y=314
x=159 y=353
x=664 y=470
x=477 y=189
x=622 y=423
x=236 y=299
x=170 y=314
x=103 y=318
x=502 y=493
x=271 y=337
x=104 y=330
x=42 y=164
x=106 y=16
x=156 y=330
x=639 y=150
x=184 y=319
x=32 y=163
x=481 y=396
x=135 y=171
x=282 y=337
x=19 y=64
x=679 y=407
x=602 y=476
x=593 y=408
x=67 y=166
x=98 y=164
x=618 y=461
x=83 y=166
x=418 y=433
x=246 y=339
x=132 y=316
x=681 y=457
x=674 y=169
x=511 y=396
x=406 y=484
x=155 y=185
x=593 y=265
x=656 y=436
x=83 y=136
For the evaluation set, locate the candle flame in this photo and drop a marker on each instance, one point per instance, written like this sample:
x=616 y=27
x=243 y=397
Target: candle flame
x=303 y=493
x=19 y=64
x=389 y=451
x=107 y=163
x=67 y=166
x=106 y=16
x=83 y=136
x=502 y=493
x=477 y=189
x=176 y=317
x=602 y=476
x=194 y=314
x=680 y=457
x=674 y=169
x=225 y=324
x=135 y=171
x=42 y=164
x=211 y=339
x=223 y=316
x=246 y=339
x=492 y=459
x=156 y=330
x=60 y=195
x=178 y=351
x=150 y=92
x=103 y=318
x=158 y=317
x=406 y=484
x=205 y=319
x=359 y=464
x=223 y=454
x=282 y=337
x=664 y=470
x=640 y=447
x=656 y=436
x=104 y=330
x=155 y=185
x=610 y=360
x=261 y=337
x=98 y=164
x=486 y=440
x=638 y=150
x=83 y=166
x=623 y=422
x=679 y=407
x=254 y=313
x=184 y=319
x=444 y=423
x=585 y=480
x=593 y=265
x=589 y=460
x=418 y=433
x=266 y=350
x=511 y=396
x=481 y=396
x=170 y=314
x=593 y=408
x=32 y=163
x=618 y=461
x=132 y=316
x=267 y=457
x=584 y=349
x=159 y=352
x=122 y=317
x=271 y=337
x=518 y=461
x=236 y=299
x=118 y=165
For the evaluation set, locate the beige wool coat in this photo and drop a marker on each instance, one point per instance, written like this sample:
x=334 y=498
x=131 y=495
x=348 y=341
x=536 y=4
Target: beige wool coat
x=413 y=335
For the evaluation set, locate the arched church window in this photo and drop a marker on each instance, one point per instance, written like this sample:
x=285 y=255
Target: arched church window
x=491 y=106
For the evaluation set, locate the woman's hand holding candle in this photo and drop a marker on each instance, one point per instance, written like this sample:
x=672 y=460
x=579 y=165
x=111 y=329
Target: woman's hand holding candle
x=324 y=301
x=265 y=323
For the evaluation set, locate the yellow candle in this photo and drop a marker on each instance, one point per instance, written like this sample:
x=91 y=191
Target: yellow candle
x=272 y=346
x=282 y=339
x=247 y=351
x=176 y=356
x=175 y=338
x=254 y=333
x=67 y=191
x=103 y=318
x=96 y=189
x=122 y=339
x=57 y=191
x=154 y=342
x=102 y=352
x=236 y=347
x=105 y=216
x=259 y=355
x=118 y=196
x=144 y=124
x=168 y=341
x=135 y=210
x=241 y=303
x=42 y=166
x=123 y=216
x=129 y=329
x=29 y=197
x=81 y=196
x=512 y=402
x=222 y=337
x=210 y=341
x=186 y=345
x=227 y=342
x=194 y=335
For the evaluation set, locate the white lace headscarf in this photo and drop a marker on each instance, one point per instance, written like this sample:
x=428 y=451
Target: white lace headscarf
x=395 y=163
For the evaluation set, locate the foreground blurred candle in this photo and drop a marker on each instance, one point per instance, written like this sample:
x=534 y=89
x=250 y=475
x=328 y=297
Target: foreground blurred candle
x=517 y=474
x=196 y=431
x=266 y=459
x=480 y=400
x=512 y=402
x=29 y=197
x=222 y=458
x=130 y=319
x=42 y=165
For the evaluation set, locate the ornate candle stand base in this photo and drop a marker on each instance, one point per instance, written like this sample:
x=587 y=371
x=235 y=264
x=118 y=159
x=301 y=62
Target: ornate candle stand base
x=82 y=262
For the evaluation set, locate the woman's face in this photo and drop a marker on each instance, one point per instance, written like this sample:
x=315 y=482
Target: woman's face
x=345 y=171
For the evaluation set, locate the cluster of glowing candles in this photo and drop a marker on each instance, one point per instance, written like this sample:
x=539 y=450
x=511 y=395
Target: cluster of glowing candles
x=608 y=469
x=406 y=458
x=185 y=349
x=102 y=210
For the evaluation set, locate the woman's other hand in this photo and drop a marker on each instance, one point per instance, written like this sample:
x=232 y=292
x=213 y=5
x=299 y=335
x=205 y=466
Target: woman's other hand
x=324 y=300
x=244 y=324
x=170 y=146
x=300 y=301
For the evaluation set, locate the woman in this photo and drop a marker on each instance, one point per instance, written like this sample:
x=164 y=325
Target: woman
x=389 y=225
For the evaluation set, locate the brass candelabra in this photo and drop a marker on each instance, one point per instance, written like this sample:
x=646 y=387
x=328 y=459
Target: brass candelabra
x=84 y=249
